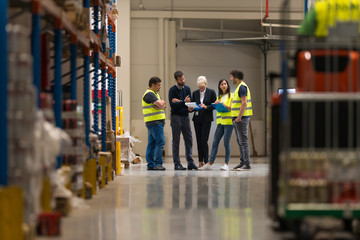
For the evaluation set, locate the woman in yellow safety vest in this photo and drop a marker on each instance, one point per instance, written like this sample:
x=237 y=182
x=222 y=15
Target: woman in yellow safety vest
x=224 y=125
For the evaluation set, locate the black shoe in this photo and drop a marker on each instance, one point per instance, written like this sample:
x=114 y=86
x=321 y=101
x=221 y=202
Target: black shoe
x=179 y=167
x=245 y=168
x=237 y=167
x=192 y=167
x=157 y=168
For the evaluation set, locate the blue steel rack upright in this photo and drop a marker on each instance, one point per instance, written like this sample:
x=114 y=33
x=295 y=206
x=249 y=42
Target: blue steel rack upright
x=87 y=85
x=112 y=83
x=58 y=84
x=3 y=95
x=35 y=47
x=103 y=107
x=73 y=63
x=96 y=69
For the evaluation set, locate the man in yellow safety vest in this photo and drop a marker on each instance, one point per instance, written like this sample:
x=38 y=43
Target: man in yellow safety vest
x=154 y=117
x=241 y=110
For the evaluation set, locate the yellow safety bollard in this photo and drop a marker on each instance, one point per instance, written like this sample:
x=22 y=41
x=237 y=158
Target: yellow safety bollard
x=45 y=197
x=102 y=164
x=11 y=213
x=118 y=145
x=109 y=169
x=91 y=174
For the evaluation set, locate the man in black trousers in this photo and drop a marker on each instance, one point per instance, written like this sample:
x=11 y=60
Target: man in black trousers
x=179 y=94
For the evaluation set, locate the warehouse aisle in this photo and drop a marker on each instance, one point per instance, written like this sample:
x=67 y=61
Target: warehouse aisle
x=170 y=204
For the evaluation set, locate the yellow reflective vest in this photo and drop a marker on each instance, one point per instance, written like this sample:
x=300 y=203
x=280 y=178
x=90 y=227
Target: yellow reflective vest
x=328 y=13
x=149 y=112
x=225 y=118
x=236 y=103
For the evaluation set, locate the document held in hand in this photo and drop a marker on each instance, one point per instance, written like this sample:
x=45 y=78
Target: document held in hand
x=193 y=105
x=220 y=107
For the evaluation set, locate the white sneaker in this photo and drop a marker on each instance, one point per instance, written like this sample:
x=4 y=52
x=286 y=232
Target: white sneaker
x=206 y=167
x=225 y=167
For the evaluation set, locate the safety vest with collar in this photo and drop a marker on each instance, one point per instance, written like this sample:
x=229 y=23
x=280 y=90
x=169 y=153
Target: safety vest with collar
x=236 y=103
x=149 y=112
x=328 y=13
x=225 y=118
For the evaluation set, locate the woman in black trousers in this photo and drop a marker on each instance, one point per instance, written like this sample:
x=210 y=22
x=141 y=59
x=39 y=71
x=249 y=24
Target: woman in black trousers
x=203 y=117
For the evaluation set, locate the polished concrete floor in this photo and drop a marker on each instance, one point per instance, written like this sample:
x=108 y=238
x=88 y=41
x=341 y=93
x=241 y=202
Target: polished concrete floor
x=170 y=204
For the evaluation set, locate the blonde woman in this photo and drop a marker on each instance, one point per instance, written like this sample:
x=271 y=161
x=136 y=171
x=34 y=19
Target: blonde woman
x=202 y=118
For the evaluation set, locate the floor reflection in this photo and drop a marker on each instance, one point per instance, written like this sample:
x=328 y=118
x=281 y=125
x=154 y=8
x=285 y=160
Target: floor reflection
x=154 y=192
x=178 y=192
x=176 y=205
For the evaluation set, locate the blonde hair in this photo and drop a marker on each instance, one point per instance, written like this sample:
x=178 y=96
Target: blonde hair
x=201 y=81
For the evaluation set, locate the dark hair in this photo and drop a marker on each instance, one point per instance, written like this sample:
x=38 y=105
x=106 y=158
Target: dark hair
x=237 y=74
x=154 y=80
x=220 y=90
x=178 y=74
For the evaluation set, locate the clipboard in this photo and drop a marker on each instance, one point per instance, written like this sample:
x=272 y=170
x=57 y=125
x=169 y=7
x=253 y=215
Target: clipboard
x=193 y=105
x=220 y=107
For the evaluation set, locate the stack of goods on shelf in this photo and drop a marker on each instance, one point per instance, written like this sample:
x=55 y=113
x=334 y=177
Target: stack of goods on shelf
x=323 y=177
x=92 y=170
x=33 y=141
x=94 y=146
x=110 y=140
x=110 y=134
x=76 y=14
x=24 y=169
x=74 y=155
x=103 y=36
x=46 y=105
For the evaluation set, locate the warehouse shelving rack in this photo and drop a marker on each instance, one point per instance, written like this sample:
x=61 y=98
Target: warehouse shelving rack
x=89 y=44
x=314 y=170
x=315 y=158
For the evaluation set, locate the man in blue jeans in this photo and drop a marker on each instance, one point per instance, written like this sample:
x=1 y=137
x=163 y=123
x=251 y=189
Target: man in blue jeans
x=241 y=110
x=154 y=117
x=180 y=121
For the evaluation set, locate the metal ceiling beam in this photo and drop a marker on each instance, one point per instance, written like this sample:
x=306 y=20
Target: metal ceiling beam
x=213 y=15
x=251 y=39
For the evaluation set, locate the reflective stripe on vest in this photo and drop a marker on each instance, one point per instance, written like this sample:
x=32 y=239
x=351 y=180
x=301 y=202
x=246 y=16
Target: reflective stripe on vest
x=236 y=103
x=328 y=13
x=225 y=118
x=149 y=112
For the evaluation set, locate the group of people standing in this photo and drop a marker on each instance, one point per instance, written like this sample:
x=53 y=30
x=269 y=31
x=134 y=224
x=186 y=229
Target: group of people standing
x=237 y=116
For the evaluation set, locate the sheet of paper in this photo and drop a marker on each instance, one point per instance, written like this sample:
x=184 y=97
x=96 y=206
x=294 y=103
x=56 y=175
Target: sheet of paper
x=192 y=105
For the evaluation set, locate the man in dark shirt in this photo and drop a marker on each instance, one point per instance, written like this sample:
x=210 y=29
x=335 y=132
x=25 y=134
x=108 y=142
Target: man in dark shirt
x=180 y=121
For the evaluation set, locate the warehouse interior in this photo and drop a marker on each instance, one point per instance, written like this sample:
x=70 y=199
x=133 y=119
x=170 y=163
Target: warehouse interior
x=74 y=141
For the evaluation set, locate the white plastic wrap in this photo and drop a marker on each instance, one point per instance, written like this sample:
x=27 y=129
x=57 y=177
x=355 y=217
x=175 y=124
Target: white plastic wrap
x=131 y=139
x=50 y=141
x=59 y=179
